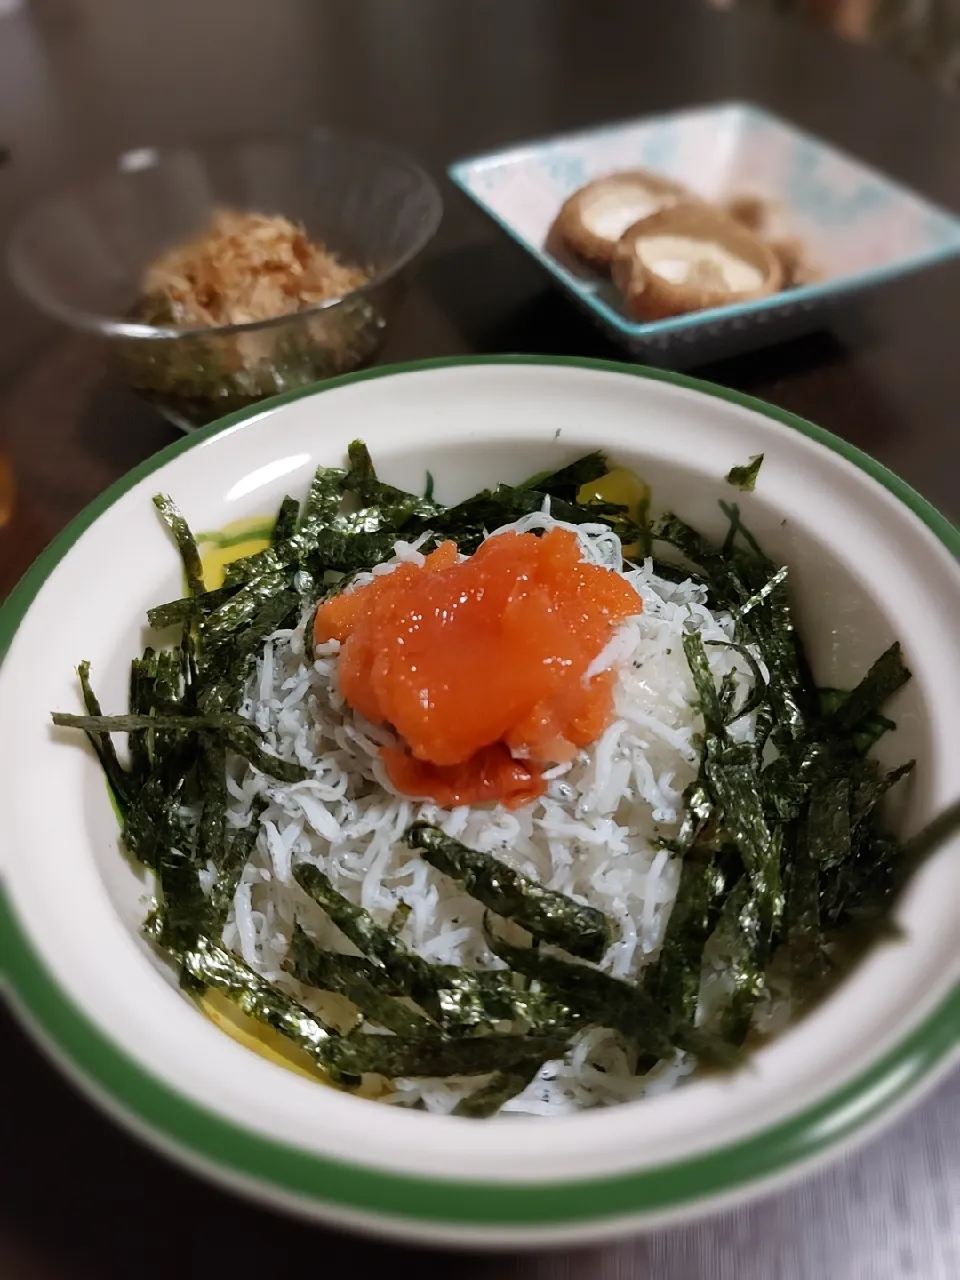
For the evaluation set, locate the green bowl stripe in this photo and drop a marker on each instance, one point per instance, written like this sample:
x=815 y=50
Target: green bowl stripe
x=108 y=1071
x=335 y=1182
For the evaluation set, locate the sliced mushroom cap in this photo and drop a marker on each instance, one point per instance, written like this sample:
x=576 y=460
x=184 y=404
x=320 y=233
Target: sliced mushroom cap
x=791 y=253
x=594 y=218
x=689 y=258
x=751 y=211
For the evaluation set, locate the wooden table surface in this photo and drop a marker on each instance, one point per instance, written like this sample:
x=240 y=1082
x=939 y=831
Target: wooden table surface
x=83 y=79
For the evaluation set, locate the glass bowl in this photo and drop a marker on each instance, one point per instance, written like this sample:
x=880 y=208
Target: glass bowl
x=80 y=255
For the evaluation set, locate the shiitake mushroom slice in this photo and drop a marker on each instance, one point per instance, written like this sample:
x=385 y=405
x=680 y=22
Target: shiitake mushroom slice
x=688 y=258
x=797 y=267
x=593 y=219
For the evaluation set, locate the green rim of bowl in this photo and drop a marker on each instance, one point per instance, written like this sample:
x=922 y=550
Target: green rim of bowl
x=241 y=1155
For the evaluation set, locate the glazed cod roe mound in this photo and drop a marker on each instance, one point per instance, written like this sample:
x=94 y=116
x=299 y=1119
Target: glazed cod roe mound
x=482 y=665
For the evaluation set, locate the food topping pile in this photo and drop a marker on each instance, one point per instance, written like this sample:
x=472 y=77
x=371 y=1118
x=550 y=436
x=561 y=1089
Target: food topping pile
x=530 y=803
x=245 y=267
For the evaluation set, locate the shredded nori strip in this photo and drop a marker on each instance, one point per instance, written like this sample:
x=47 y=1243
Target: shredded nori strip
x=393 y=505
x=186 y=543
x=101 y=741
x=357 y=925
x=805 y=943
x=740 y=941
x=287 y=520
x=162 y=720
x=212 y=828
x=143 y=675
x=883 y=679
x=600 y=999
x=439 y=1055
x=745 y=477
x=210 y=965
x=228 y=661
x=329 y=971
x=605 y=1001
x=566 y=483
x=674 y=982
x=230 y=860
x=323 y=501
x=468 y=998
x=456 y=998
x=500 y=1088
x=550 y=917
x=239 y=734
x=178 y=612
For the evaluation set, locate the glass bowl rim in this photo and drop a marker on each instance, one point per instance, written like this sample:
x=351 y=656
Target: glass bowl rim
x=137 y=159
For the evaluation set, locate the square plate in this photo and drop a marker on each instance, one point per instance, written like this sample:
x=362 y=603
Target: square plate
x=860 y=227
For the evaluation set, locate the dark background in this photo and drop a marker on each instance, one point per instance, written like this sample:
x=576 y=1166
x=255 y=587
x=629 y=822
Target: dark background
x=83 y=79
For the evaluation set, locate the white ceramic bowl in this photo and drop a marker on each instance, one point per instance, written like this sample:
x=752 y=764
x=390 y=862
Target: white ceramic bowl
x=866 y=555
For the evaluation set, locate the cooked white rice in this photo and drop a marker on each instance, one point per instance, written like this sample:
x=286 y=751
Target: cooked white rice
x=594 y=834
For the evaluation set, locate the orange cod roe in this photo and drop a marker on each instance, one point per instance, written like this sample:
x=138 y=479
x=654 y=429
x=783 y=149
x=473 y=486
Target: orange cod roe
x=480 y=665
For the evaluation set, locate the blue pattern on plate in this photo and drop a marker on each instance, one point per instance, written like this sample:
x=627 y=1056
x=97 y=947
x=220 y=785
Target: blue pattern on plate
x=565 y=170
x=812 y=191
x=658 y=150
